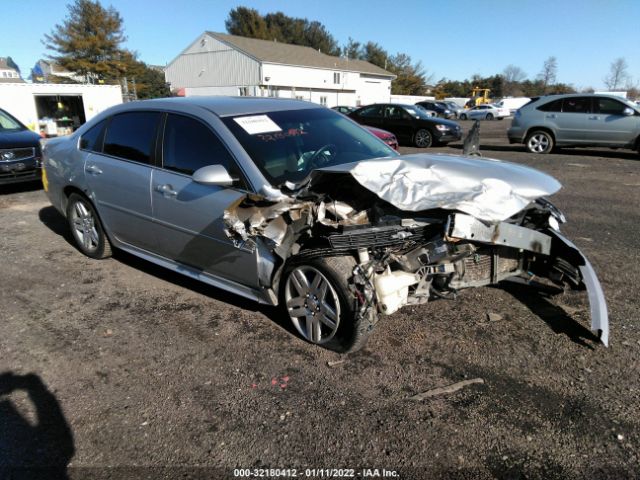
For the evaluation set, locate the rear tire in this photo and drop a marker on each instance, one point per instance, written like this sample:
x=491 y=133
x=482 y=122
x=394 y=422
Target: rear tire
x=422 y=138
x=315 y=295
x=463 y=116
x=539 y=142
x=86 y=228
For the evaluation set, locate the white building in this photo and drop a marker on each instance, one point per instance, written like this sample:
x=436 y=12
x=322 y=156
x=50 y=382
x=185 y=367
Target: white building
x=54 y=108
x=8 y=74
x=220 y=64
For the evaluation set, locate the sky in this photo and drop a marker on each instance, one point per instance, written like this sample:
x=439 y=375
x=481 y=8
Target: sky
x=452 y=38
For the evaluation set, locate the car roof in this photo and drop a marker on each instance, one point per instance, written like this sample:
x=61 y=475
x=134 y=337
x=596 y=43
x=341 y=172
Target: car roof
x=405 y=105
x=224 y=106
x=569 y=95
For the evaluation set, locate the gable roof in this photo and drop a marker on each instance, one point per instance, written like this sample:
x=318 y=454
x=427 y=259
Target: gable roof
x=287 y=54
x=5 y=65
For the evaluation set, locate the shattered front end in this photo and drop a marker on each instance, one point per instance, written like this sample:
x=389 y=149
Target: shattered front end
x=419 y=227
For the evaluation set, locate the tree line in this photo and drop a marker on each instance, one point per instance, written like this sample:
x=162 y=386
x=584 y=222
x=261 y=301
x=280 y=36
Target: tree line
x=411 y=78
x=89 y=42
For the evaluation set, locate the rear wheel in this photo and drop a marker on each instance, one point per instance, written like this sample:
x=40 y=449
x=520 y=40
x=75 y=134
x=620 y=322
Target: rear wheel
x=539 y=141
x=463 y=116
x=423 y=138
x=316 y=296
x=86 y=228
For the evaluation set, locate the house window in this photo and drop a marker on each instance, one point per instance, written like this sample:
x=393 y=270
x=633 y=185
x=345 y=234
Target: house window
x=323 y=101
x=336 y=77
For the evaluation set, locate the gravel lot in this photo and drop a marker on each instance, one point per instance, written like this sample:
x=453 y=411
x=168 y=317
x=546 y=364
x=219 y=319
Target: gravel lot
x=140 y=373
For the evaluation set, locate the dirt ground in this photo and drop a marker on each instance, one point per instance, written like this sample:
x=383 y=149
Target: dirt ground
x=120 y=369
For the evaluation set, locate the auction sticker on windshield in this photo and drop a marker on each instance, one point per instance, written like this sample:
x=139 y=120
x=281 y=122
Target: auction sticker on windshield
x=257 y=124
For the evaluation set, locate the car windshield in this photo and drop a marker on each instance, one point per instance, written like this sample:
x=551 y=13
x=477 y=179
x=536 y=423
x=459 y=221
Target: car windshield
x=286 y=146
x=417 y=112
x=8 y=123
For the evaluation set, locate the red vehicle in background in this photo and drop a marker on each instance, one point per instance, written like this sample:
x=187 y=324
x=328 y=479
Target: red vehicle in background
x=387 y=137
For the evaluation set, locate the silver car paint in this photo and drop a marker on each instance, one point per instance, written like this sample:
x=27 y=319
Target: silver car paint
x=190 y=231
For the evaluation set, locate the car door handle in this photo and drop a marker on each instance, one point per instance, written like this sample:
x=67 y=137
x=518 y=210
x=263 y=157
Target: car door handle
x=93 y=169
x=595 y=117
x=552 y=115
x=167 y=190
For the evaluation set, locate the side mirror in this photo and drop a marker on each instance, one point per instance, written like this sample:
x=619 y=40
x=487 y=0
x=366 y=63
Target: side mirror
x=213 y=175
x=628 y=111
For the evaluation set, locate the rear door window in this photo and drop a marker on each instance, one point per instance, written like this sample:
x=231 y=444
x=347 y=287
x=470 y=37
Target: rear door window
x=576 y=105
x=371 y=112
x=132 y=136
x=92 y=138
x=554 y=106
x=189 y=145
x=609 y=106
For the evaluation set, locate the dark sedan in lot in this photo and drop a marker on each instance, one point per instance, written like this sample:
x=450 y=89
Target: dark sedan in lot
x=19 y=151
x=408 y=124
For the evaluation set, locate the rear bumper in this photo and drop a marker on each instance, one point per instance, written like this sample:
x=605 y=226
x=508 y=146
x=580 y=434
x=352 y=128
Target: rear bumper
x=515 y=135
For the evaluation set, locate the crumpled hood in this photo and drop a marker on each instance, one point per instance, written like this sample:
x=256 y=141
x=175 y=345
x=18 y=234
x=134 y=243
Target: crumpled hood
x=488 y=189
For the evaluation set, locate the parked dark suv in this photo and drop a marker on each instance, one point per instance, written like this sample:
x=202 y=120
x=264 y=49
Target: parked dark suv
x=408 y=124
x=578 y=120
x=19 y=151
x=441 y=108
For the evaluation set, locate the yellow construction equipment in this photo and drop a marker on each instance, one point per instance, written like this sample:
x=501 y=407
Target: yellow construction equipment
x=479 y=96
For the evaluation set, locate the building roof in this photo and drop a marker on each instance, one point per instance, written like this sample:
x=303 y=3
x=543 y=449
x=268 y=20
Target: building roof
x=11 y=80
x=287 y=54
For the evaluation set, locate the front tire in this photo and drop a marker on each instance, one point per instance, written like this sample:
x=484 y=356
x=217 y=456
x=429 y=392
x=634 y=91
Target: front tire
x=86 y=228
x=539 y=142
x=423 y=138
x=315 y=294
x=489 y=116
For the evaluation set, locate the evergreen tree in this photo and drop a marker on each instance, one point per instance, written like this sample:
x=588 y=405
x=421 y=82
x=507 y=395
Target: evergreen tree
x=89 y=43
x=150 y=83
x=247 y=22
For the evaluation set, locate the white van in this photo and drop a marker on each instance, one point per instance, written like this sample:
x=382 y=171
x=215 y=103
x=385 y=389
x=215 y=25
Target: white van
x=513 y=103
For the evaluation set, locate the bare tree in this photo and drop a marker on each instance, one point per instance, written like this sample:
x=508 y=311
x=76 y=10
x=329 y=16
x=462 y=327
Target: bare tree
x=618 y=74
x=549 y=72
x=512 y=76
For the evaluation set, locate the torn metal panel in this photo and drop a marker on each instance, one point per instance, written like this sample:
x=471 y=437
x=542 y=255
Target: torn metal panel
x=504 y=234
x=253 y=216
x=597 y=301
x=488 y=189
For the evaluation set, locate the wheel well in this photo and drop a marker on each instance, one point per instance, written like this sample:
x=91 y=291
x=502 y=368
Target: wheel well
x=544 y=129
x=68 y=190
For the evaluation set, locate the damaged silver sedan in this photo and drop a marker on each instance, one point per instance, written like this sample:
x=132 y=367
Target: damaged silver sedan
x=289 y=204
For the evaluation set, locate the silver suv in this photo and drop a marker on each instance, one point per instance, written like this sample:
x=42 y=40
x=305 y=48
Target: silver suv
x=576 y=120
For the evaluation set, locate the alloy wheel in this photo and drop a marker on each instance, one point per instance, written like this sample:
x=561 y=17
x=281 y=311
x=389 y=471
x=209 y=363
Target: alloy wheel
x=84 y=226
x=312 y=304
x=423 y=138
x=538 y=143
